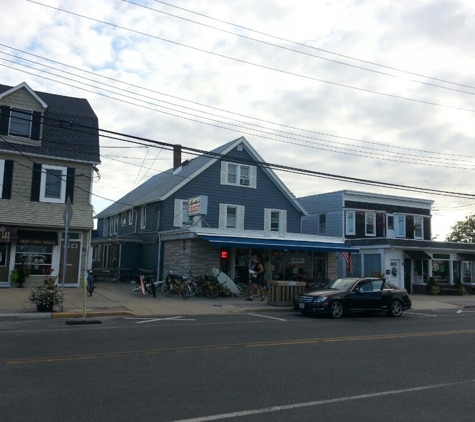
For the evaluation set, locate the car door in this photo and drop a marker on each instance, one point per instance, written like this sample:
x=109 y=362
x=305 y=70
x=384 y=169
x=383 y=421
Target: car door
x=367 y=295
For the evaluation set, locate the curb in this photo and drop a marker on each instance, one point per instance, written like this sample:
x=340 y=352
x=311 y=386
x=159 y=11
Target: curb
x=92 y=314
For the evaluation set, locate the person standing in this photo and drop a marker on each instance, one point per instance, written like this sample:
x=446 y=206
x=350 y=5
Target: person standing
x=257 y=271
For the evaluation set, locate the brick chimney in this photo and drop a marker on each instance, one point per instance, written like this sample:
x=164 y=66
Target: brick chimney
x=176 y=156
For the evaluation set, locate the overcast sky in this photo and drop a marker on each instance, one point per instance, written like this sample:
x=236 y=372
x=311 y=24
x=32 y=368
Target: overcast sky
x=377 y=90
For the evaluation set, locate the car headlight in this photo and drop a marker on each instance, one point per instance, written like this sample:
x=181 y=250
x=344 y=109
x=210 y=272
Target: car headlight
x=320 y=299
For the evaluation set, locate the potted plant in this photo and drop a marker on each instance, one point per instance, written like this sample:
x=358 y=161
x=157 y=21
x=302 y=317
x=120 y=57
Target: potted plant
x=461 y=288
x=19 y=274
x=47 y=296
x=434 y=289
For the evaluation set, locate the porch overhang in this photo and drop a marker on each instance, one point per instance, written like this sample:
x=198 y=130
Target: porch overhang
x=273 y=243
x=417 y=255
x=467 y=256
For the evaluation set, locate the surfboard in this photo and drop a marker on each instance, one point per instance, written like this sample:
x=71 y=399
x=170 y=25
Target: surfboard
x=225 y=280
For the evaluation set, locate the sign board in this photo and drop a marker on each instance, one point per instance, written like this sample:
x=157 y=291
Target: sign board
x=198 y=205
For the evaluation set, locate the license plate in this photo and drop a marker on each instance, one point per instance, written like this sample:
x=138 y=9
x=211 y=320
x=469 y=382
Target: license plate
x=301 y=305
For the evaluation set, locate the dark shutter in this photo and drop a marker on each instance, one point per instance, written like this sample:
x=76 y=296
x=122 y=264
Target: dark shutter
x=427 y=228
x=7 y=179
x=360 y=224
x=410 y=227
x=36 y=182
x=380 y=224
x=35 y=126
x=70 y=184
x=4 y=119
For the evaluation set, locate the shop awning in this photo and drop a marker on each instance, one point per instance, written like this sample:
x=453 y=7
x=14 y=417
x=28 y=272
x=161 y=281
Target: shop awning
x=33 y=237
x=467 y=256
x=7 y=234
x=272 y=243
x=417 y=255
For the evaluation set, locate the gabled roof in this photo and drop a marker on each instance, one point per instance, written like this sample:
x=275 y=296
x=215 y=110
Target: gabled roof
x=70 y=128
x=165 y=184
x=32 y=93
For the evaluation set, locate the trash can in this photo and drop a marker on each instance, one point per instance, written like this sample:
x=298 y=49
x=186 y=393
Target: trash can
x=283 y=293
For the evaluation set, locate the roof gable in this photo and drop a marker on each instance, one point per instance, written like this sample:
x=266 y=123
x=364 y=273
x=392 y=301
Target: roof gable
x=24 y=85
x=165 y=184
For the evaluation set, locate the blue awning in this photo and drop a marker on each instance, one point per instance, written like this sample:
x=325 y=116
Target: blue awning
x=264 y=243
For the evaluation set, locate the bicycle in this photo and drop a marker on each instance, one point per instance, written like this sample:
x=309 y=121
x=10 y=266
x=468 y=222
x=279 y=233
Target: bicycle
x=175 y=283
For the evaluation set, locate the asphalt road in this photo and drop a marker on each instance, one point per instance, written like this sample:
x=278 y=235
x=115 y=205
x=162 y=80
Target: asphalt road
x=275 y=366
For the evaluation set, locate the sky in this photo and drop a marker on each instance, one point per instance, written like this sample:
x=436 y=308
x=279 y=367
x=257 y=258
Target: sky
x=376 y=90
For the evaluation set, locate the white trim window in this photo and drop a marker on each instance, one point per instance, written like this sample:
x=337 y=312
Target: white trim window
x=418 y=228
x=143 y=216
x=111 y=225
x=350 y=225
x=116 y=224
x=400 y=225
x=131 y=216
x=105 y=227
x=53 y=184
x=238 y=175
x=2 y=171
x=275 y=220
x=231 y=216
x=180 y=213
x=123 y=219
x=322 y=223
x=20 y=122
x=370 y=224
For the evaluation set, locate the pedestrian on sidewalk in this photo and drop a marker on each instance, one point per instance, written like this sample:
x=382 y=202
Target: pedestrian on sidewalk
x=257 y=271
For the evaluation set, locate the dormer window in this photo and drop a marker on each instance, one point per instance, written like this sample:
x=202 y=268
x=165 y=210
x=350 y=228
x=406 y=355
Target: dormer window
x=20 y=122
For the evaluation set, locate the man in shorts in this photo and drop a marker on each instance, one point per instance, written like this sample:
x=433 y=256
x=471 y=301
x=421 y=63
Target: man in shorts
x=257 y=271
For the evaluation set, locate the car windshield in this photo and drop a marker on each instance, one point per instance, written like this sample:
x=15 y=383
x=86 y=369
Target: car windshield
x=341 y=284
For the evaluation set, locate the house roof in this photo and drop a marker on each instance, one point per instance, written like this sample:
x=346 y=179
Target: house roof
x=162 y=185
x=414 y=244
x=70 y=127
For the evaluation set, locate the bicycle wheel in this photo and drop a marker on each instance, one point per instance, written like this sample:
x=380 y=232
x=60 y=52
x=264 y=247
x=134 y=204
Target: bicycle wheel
x=184 y=291
x=192 y=286
x=242 y=290
x=149 y=286
x=199 y=290
x=212 y=291
x=167 y=288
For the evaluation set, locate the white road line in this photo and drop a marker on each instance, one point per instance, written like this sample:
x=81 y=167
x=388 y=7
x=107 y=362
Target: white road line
x=175 y=318
x=265 y=316
x=417 y=313
x=320 y=402
x=459 y=312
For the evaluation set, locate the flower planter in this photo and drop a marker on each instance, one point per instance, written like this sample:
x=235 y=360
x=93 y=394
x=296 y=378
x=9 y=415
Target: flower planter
x=45 y=307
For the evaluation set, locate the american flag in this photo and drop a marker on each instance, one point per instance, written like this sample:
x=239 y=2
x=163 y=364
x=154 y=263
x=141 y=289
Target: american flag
x=349 y=262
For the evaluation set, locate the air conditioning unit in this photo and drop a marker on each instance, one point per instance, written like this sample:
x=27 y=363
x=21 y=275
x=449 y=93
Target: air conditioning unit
x=245 y=182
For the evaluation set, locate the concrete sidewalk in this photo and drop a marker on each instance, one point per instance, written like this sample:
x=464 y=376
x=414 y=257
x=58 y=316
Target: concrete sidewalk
x=115 y=299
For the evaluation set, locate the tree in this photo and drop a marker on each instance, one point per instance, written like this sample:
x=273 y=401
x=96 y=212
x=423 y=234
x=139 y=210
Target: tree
x=463 y=231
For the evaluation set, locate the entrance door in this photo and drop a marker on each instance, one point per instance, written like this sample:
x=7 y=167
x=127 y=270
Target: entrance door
x=394 y=275
x=4 y=264
x=72 y=266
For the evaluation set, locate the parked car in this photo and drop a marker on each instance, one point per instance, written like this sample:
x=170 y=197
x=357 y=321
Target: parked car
x=346 y=295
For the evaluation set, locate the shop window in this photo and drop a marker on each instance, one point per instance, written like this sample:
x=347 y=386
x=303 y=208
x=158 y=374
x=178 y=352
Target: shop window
x=370 y=224
x=372 y=265
x=238 y=174
x=440 y=271
x=37 y=258
x=350 y=225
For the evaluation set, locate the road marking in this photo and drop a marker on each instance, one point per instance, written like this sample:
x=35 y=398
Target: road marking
x=211 y=347
x=416 y=313
x=459 y=312
x=175 y=318
x=265 y=316
x=321 y=402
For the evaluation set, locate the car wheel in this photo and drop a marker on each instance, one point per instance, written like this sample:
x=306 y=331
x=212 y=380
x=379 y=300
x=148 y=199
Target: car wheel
x=336 y=309
x=395 y=308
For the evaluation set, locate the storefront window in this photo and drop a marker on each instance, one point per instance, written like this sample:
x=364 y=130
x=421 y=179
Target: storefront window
x=440 y=271
x=372 y=265
x=319 y=266
x=421 y=271
x=467 y=272
x=37 y=258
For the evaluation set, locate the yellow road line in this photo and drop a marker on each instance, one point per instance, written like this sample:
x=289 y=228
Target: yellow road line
x=48 y=359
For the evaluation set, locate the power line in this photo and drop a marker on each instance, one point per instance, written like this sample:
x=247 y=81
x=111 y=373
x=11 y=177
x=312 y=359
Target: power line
x=331 y=148
x=310 y=46
x=251 y=63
